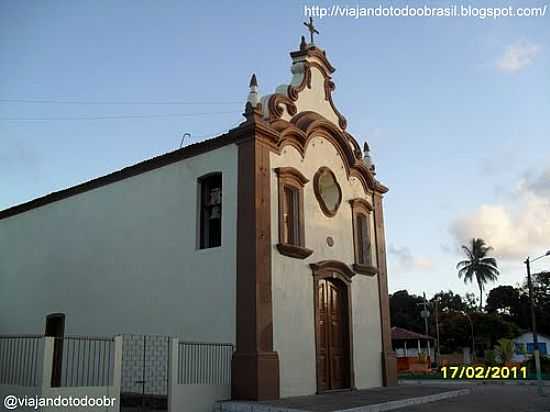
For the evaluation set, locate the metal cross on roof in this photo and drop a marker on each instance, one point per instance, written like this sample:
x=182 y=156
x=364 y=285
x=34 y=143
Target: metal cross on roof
x=311 y=28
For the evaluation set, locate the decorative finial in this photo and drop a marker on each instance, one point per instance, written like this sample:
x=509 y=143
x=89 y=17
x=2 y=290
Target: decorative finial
x=311 y=29
x=367 y=159
x=253 y=97
x=253 y=81
x=303 y=44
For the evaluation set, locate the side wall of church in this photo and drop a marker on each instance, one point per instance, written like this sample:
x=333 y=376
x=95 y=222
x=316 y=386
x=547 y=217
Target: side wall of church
x=293 y=287
x=123 y=258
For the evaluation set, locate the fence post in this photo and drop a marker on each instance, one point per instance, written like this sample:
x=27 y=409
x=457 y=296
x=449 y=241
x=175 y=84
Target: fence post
x=173 y=362
x=47 y=363
x=117 y=374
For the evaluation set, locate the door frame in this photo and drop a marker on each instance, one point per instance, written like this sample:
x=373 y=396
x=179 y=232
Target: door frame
x=333 y=269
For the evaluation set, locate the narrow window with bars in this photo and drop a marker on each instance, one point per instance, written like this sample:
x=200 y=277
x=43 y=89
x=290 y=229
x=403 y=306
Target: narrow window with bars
x=210 y=230
x=292 y=240
x=292 y=216
x=363 y=240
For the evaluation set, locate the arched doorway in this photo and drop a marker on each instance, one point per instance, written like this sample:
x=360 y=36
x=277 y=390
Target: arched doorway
x=333 y=325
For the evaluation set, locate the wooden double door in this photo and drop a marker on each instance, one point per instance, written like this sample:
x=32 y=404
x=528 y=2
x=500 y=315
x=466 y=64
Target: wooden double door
x=333 y=337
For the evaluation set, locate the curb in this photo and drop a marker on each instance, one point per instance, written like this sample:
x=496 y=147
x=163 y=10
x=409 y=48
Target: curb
x=472 y=382
x=378 y=407
x=391 y=405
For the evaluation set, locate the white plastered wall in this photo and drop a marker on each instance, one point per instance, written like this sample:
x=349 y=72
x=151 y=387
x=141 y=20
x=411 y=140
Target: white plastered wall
x=293 y=294
x=123 y=258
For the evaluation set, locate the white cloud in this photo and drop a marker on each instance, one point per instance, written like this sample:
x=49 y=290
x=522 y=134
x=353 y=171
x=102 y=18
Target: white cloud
x=517 y=56
x=516 y=229
x=406 y=262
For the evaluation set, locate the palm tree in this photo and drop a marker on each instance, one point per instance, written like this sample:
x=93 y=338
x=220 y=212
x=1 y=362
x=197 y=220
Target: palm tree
x=478 y=265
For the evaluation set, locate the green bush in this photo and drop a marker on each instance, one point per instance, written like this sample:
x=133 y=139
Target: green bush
x=505 y=350
x=490 y=358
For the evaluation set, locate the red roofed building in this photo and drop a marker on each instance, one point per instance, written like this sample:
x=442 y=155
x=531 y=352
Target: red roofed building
x=410 y=347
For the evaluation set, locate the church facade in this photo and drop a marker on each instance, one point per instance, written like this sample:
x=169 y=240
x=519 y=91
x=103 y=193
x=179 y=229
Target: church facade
x=270 y=236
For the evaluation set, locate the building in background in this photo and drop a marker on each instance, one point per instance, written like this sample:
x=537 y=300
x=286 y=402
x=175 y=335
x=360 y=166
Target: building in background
x=524 y=346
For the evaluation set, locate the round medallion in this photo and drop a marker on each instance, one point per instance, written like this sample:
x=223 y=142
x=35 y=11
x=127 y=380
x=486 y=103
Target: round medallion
x=327 y=191
x=330 y=241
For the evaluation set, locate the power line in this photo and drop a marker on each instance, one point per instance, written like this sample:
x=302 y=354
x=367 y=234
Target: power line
x=48 y=101
x=144 y=116
x=216 y=133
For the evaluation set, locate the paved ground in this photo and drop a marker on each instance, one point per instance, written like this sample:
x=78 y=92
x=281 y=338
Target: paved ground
x=491 y=398
x=347 y=400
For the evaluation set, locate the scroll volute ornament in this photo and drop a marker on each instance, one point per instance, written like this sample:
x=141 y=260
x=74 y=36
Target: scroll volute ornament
x=327 y=191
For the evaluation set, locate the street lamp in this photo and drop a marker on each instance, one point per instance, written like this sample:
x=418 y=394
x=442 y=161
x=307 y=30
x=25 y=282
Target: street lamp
x=473 y=340
x=536 y=353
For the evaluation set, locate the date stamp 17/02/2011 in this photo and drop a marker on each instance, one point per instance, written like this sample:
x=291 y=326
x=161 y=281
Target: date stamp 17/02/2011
x=484 y=372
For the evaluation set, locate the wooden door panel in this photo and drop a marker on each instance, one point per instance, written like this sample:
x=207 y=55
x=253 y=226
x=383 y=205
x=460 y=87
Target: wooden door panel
x=333 y=339
x=323 y=367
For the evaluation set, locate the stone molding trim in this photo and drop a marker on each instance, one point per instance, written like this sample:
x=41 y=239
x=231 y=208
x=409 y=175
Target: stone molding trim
x=326 y=211
x=365 y=269
x=314 y=52
x=329 y=88
x=306 y=125
x=294 y=251
x=361 y=206
x=326 y=268
x=304 y=60
x=389 y=361
x=255 y=364
x=277 y=103
x=290 y=174
x=291 y=177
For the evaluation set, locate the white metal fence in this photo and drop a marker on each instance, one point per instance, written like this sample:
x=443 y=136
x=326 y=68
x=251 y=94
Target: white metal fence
x=20 y=359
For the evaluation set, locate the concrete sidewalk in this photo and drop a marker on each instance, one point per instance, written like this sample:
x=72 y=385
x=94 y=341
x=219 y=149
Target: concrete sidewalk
x=370 y=400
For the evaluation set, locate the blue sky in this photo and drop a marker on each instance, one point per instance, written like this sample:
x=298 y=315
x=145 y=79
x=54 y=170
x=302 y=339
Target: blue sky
x=456 y=110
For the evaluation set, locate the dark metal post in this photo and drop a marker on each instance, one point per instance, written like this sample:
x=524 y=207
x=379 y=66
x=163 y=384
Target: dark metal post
x=438 y=351
x=536 y=353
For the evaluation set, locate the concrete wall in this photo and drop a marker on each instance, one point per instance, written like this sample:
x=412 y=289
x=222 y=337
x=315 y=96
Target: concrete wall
x=293 y=306
x=198 y=398
x=109 y=396
x=55 y=398
x=192 y=397
x=123 y=258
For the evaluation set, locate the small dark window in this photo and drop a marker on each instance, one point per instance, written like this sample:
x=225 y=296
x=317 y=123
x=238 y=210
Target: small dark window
x=210 y=211
x=292 y=216
x=363 y=240
x=55 y=327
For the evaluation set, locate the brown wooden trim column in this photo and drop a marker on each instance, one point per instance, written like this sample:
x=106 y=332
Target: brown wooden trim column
x=255 y=366
x=389 y=360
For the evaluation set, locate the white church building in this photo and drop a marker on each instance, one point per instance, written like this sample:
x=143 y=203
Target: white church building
x=269 y=237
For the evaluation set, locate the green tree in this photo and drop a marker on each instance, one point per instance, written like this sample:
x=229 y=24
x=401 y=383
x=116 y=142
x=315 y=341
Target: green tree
x=448 y=301
x=478 y=266
x=405 y=312
x=503 y=299
x=541 y=294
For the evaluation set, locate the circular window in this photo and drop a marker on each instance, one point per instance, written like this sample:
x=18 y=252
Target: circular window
x=327 y=191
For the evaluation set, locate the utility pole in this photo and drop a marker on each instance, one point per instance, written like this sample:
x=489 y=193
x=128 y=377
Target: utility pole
x=536 y=353
x=438 y=351
x=425 y=314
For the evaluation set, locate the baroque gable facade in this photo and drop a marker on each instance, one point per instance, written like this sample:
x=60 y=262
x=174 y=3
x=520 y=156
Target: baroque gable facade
x=270 y=237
